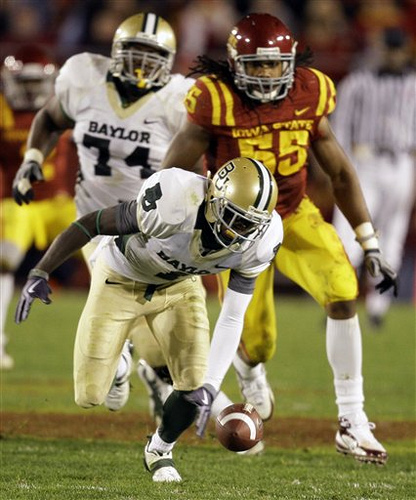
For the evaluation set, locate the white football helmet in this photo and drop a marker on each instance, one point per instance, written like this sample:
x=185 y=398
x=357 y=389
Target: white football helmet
x=240 y=201
x=143 y=51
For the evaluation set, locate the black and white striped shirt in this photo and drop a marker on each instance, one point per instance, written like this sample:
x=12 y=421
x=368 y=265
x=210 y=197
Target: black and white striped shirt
x=377 y=110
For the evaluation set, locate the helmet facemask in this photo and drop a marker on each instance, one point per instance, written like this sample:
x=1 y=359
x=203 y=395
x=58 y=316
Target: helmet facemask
x=265 y=89
x=27 y=86
x=240 y=200
x=143 y=51
x=260 y=38
x=141 y=65
x=234 y=229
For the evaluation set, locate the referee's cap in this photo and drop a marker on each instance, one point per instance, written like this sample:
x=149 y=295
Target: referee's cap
x=394 y=37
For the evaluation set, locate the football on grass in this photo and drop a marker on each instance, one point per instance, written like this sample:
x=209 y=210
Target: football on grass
x=239 y=427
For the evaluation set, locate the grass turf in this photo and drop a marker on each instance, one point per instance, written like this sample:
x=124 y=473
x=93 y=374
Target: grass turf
x=79 y=468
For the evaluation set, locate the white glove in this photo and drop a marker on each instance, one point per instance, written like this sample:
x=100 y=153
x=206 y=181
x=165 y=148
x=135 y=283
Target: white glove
x=376 y=266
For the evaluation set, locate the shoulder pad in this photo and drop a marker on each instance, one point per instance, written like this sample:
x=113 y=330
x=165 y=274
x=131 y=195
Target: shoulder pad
x=166 y=200
x=84 y=70
x=316 y=83
x=173 y=95
x=210 y=102
x=179 y=83
x=271 y=240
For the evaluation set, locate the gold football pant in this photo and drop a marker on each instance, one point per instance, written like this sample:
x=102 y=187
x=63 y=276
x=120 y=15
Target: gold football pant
x=144 y=343
x=176 y=315
x=312 y=256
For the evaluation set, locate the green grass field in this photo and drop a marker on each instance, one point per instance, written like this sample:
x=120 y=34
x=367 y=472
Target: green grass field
x=100 y=456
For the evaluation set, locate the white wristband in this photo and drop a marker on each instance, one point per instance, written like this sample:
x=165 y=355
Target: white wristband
x=367 y=236
x=38 y=273
x=34 y=154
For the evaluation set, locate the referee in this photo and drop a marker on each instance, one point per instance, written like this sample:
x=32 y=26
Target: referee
x=375 y=122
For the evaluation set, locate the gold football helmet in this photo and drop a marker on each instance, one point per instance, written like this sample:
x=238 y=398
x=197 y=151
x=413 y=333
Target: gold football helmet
x=240 y=201
x=143 y=51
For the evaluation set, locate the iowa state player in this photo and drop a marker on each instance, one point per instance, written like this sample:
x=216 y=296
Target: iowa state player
x=28 y=77
x=263 y=103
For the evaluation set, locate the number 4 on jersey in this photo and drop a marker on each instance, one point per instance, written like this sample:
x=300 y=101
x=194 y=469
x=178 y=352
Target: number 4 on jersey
x=151 y=195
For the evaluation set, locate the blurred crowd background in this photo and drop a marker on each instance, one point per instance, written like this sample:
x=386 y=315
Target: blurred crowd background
x=343 y=34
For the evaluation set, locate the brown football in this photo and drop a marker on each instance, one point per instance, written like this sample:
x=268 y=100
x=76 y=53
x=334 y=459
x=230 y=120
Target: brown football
x=239 y=427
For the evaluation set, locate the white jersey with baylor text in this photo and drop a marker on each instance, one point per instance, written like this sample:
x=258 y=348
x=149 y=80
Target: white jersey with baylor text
x=168 y=247
x=118 y=147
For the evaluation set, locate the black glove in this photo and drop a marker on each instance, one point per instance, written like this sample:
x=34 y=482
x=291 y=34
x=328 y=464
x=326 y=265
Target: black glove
x=28 y=172
x=203 y=398
x=376 y=266
x=36 y=287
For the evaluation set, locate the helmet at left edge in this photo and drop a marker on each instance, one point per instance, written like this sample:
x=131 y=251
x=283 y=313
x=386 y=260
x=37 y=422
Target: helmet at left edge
x=28 y=76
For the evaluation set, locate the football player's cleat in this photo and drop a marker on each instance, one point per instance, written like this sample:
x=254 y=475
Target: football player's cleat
x=257 y=391
x=239 y=216
x=6 y=361
x=157 y=389
x=257 y=38
x=160 y=465
x=119 y=393
x=355 y=438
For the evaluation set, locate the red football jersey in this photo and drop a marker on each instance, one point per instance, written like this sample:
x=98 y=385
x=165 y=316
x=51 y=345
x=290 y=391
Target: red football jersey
x=59 y=168
x=278 y=134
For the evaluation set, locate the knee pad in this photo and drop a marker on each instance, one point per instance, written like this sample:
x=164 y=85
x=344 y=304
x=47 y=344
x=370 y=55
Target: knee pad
x=258 y=348
x=90 y=397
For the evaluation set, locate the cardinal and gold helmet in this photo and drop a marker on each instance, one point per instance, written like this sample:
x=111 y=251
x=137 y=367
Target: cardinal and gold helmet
x=256 y=38
x=240 y=201
x=28 y=76
x=143 y=51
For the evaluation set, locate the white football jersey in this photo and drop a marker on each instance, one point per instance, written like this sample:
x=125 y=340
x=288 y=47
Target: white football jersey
x=118 y=147
x=168 y=247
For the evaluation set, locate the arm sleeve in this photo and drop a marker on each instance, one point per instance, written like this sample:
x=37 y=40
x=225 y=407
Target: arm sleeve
x=226 y=336
x=126 y=217
x=240 y=283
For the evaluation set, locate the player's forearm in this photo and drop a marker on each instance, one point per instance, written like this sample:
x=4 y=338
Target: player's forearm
x=64 y=245
x=44 y=133
x=345 y=184
x=226 y=336
x=182 y=156
x=186 y=149
x=79 y=234
x=350 y=200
